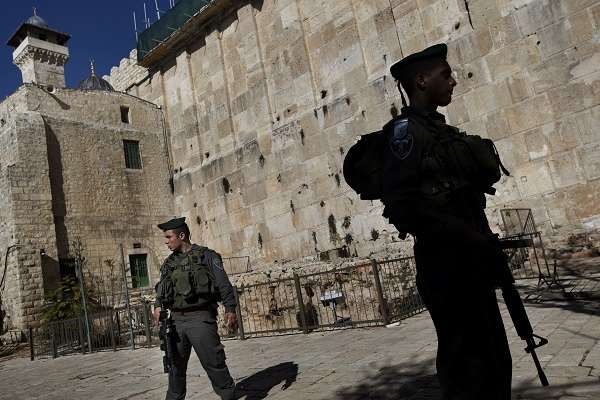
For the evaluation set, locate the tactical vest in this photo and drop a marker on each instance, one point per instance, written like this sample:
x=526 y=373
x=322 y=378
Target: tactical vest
x=472 y=160
x=413 y=156
x=187 y=281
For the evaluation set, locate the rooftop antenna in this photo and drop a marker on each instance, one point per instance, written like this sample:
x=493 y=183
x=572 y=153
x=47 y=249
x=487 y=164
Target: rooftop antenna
x=92 y=67
x=135 y=27
x=146 y=21
x=157 y=9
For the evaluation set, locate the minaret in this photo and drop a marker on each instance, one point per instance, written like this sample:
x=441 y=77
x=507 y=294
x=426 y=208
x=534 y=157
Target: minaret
x=40 y=52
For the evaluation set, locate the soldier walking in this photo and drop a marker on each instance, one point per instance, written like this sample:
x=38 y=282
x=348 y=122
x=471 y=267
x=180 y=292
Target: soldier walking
x=192 y=281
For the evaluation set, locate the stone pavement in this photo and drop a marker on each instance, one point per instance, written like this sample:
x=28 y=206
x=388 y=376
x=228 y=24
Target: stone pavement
x=374 y=363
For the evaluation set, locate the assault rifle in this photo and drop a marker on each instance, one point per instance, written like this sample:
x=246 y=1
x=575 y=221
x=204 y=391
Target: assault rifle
x=517 y=312
x=166 y=332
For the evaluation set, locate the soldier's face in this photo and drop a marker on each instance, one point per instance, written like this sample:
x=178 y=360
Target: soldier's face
x=439 y=84
x=172 y=240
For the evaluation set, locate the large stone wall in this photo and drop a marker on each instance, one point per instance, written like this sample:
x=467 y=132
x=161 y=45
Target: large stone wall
x=67 y=182
x=126 y=73
x=27 y=221
x=263 y=104
x=10 y=291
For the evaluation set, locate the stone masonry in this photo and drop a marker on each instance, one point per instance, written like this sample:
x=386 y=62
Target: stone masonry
x=63 y=179
x=262 y=104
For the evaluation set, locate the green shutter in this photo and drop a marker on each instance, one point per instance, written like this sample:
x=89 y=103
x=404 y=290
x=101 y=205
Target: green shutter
x=139 y=271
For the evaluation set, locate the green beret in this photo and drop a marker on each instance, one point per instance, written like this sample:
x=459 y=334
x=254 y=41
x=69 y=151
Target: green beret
x=172 y=224
x=435 y=51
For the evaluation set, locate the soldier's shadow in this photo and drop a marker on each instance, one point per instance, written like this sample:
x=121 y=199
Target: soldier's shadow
x=410 y=381
x=258 y=385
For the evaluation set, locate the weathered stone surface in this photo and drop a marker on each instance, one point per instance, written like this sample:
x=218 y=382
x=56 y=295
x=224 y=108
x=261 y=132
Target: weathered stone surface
x=64 y=178
x=300 y=79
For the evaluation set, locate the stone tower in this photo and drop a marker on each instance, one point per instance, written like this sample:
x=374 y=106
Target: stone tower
x=40 y=52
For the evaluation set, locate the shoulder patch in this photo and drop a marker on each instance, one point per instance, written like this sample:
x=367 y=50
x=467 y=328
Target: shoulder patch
x=402 y=141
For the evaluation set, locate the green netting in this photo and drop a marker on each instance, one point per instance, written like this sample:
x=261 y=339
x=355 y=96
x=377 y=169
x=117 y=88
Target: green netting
x=169 y=22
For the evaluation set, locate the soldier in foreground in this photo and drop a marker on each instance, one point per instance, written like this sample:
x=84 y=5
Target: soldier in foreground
x=432 y=178
x=434 y=189
x=192 y=281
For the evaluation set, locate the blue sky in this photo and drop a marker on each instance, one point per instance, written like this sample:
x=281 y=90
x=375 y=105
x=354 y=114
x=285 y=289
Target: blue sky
x=100 y=29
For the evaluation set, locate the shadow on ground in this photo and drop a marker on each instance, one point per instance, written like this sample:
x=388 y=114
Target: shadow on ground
x=258 y=385
x=411 y=381
x=531 y=390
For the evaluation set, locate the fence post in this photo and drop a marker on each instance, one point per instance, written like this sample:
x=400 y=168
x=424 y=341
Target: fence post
x=147 y=324
x=80 y=331
x=31 y=349
x=300 y=303
x=53 y=342
x=118 y=327
x=379 y=289
x=113 y=341
x=127 y=303
x=80 y=277
x=238 y=311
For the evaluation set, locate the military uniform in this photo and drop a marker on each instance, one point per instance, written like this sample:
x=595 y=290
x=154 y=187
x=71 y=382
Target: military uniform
x=190 y=286
x=428 y=192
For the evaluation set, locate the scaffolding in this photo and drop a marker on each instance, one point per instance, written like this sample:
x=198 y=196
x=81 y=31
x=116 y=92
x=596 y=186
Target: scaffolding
x=170 y=24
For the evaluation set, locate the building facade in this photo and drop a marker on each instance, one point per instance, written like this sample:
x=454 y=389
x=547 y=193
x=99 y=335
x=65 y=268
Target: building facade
x=85 y=166
x=238 y=115
x=263 y=98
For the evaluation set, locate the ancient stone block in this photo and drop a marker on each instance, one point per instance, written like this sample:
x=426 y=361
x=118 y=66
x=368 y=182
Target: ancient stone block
x=497 y=126
x=513 y=151
x=538 y=145
x=538 y=14
x=533 y=178
x=504 y=31
x=529 y=113
x=590 y=160
x=486 y=99
x=565 y=170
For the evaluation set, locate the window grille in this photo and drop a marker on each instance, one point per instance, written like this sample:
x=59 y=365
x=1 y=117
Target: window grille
x=132 y=154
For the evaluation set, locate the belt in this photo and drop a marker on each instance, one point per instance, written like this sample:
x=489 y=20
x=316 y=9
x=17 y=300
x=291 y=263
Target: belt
x=191 y=310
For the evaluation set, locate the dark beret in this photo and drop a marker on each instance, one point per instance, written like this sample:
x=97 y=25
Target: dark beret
x=435 y=51
x=172 y=224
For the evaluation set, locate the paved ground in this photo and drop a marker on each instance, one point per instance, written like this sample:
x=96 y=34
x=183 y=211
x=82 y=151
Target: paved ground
x=375 y=363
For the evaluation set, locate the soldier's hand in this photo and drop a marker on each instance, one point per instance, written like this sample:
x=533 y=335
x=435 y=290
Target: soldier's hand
x=231 y=320
x=156 y=315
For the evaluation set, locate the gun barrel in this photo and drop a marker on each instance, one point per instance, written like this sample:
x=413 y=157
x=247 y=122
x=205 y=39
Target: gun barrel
x=517 y=312
x=531 y=349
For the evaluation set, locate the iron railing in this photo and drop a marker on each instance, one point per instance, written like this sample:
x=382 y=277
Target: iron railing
x=372 y=293
x=109 y=330
x=524 y=246
x=369 y=294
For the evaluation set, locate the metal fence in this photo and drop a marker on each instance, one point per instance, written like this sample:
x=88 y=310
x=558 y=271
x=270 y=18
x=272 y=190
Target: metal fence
x=109 y=330
x=368 y=294
x=524 y=246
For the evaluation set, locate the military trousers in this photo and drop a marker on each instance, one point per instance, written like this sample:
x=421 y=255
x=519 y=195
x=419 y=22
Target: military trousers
x=198 y=330
x=473 y=358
